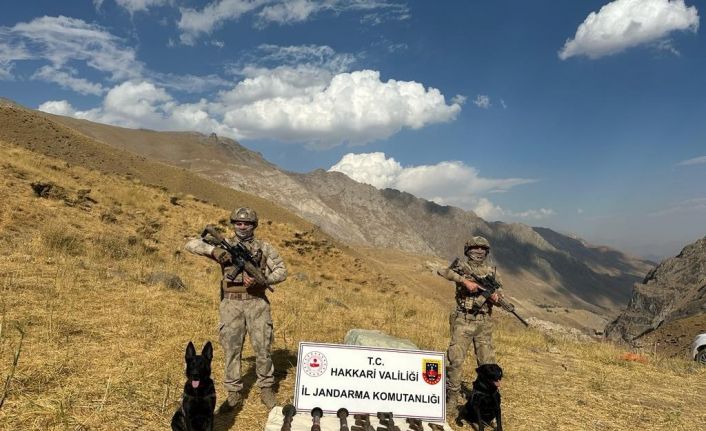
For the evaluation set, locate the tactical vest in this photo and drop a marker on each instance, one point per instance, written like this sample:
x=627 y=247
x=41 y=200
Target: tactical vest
x=235 y=285
x=464 y=298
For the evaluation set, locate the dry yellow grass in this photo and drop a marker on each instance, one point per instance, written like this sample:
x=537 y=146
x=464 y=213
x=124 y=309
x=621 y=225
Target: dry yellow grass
x=103 y=348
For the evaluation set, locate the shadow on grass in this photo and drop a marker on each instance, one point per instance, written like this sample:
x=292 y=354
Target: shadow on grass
x=284 y=362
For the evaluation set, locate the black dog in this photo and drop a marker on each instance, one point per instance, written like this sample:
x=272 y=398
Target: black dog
x=483 y=403
x=199 y=399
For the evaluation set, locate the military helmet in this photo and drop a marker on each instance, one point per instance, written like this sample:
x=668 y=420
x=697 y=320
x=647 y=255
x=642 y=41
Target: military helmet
x=476 y=241
x=244 y=214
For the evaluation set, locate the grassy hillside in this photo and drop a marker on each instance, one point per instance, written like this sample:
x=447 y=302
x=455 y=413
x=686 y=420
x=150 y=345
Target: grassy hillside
x=104 y=339
x=27 y=129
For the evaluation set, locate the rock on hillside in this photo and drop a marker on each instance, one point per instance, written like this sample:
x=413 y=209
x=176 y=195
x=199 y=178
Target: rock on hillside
x=675 y=289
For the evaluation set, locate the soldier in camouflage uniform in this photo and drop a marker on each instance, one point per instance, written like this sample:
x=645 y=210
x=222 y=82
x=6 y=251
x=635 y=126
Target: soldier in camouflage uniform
x=471 y=320
x=245 y=308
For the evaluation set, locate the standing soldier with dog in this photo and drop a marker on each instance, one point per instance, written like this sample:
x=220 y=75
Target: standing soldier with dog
x=470 y=322
x=244 y=307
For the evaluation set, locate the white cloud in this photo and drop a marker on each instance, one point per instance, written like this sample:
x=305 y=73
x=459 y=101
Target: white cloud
x=446 y=183
x=667 y=45
x=196 y=23
x=309 y=99
x=492 y=212
x=686 y=206
x=68 y=80
x=370 y=168
x=694 y=161
x=10 y=52
x=141 y=104
x=58 y=107
x=623 y=24
x=60 y=40
x=283 y=82
x=65 y=43
x=459 y=99
x=533 y=214
x=354 y=107
x=288 y=12
x=395 y=12
x=389 y=46
x=189 y=83
x=482 y=101
x=133 y=6
x=312 y=98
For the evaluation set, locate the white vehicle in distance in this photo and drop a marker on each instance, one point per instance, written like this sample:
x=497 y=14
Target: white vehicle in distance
x=698 y=349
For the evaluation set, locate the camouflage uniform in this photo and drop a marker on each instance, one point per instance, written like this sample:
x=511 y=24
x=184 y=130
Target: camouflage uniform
x=466 y=327
x=246 y=310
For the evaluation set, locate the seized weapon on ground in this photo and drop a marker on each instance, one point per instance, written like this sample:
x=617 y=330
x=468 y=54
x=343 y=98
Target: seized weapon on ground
x=242 y=259
x=288 y=411
x=415 y=424
x=342 y=414
x=489 y=285
x=316 y=414
x=362 y=423
x=436 y=427
x=388 y=424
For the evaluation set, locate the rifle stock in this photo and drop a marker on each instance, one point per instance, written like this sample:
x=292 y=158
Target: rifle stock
x=242 y=258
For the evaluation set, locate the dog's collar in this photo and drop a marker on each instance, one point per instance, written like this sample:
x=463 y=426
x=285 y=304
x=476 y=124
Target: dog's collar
x=481 y=385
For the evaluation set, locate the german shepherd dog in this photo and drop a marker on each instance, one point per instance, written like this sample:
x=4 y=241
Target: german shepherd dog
x=483 y=403
x=199 y=399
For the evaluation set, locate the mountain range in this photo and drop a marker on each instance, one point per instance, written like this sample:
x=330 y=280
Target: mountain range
x=561 y=277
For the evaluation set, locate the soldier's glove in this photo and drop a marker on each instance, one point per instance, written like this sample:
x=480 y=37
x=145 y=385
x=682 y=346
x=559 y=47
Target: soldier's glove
x=221 y=255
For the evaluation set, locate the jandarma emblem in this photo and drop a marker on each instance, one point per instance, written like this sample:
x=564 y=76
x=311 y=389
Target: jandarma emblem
x=315 y=364
x=430 y=371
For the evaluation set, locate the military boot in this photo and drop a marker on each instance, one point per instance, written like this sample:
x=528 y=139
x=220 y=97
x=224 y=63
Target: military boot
x=268 y=398
x=234 y=400
x=452 y=400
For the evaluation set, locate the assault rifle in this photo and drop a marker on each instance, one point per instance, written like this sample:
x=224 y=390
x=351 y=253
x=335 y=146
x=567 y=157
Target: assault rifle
x=242 y=259
x=489 y=285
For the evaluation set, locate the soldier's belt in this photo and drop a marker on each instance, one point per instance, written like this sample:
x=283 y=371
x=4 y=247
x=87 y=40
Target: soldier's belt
x=239 y=296
x=471 y=312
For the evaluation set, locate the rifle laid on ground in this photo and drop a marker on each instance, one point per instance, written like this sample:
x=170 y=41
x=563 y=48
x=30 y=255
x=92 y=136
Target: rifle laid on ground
x=242 y=259
x=489 y=285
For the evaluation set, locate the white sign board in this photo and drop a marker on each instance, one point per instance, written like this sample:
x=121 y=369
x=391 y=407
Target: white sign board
x=367 y=380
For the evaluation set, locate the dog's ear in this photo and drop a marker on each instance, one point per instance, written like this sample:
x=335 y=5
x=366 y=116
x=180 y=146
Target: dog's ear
x=207 y=351
x=190 y=351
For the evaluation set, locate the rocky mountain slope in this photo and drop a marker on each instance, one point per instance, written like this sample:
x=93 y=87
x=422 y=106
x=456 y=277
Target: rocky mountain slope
x=548 y=273
x=675 y=289
x=93 y=322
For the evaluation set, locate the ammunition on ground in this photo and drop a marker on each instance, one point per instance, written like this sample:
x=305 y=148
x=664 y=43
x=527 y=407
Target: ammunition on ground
x=316 y=414
x=363 y=422
x=415 y=424
x=342 y=414
x=387 y=422
x=288 y=411
x=436 y=427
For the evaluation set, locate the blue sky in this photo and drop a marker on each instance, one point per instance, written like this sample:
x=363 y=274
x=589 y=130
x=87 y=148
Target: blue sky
x=585 y=117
